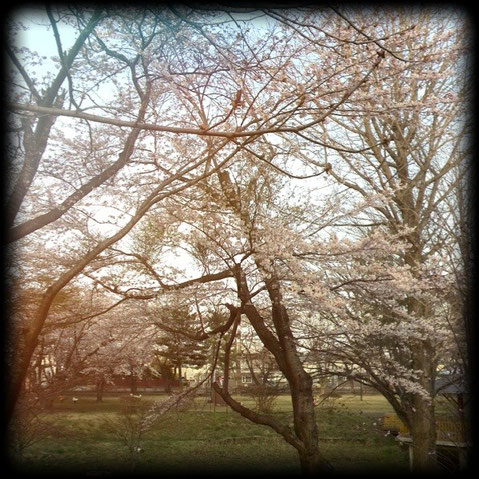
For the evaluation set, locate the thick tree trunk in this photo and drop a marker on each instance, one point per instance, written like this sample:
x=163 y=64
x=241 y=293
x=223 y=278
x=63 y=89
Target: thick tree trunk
x=100 y=389
x=419 y=411
x=311 y=462
x=423 y=427
x=423 y=434
x=300 y=382
x=305 y=425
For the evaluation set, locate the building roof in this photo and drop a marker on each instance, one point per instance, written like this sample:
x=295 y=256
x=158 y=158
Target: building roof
x=450 y=384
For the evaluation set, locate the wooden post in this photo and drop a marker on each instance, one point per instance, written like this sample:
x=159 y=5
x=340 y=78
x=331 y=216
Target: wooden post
x=410 y=456
x=462 y=452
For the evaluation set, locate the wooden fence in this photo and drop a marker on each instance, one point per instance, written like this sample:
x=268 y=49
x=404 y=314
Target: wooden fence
x=447 y=429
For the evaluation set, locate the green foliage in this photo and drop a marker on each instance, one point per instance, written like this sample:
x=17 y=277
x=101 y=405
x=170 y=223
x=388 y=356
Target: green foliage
x=175 y=343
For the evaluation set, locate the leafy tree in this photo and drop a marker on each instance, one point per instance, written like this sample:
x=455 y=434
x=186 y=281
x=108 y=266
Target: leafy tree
x=177 y=324
x=163 y=368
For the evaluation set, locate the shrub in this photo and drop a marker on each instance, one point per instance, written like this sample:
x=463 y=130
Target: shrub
x=27 y=426
x=264 y=396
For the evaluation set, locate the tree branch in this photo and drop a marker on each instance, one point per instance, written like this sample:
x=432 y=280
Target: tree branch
x=283 y=430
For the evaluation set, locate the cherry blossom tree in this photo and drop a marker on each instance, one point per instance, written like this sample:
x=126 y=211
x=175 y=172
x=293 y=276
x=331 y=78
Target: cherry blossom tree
x=265 y=252
x=128 y=350
x=417 y=145
x=188 y=132
x=144 y=112
x=84 y=340
x=404 y=167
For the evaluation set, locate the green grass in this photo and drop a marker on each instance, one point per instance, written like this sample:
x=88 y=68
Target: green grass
x=212 y=439
x=371 y=404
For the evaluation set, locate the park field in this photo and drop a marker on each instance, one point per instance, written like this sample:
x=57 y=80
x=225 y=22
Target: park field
x=79 y=438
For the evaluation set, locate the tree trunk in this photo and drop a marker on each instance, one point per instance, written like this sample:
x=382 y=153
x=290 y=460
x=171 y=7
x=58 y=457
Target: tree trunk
x=305 y=425
x=301 y=387
x=100 y=388
x=423 y=434
x=284 y=350
x=133 y=384
x=422 y=422
x=311 y=462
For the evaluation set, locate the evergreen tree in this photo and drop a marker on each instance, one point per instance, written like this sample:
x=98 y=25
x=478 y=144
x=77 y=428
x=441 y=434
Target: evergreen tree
x=176 y=342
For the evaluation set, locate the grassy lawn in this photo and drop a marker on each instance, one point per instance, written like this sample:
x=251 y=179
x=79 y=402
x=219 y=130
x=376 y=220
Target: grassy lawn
x=210 y=439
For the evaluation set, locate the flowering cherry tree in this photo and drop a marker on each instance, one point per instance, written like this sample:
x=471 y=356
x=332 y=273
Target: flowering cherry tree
x=422 y=130
x=143 y=105
x=274 y=263
x=185 y=137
